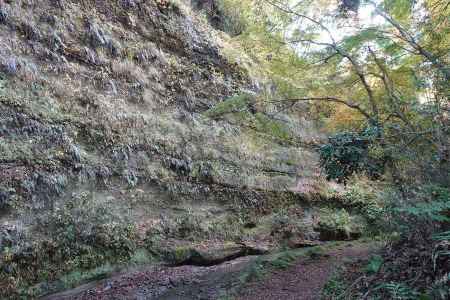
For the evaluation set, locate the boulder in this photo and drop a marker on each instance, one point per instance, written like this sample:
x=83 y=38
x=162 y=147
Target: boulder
x=201 y=255
x=216 y=255
x=296 y=243
x=204 y=255
x=256 y=247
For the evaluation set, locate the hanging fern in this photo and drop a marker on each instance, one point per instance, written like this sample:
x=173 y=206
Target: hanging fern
x=399 y=291
x=434 y=205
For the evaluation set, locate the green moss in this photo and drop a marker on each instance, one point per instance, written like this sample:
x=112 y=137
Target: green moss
x=271 y=127
x=76 y=278
x=80 y=276
x=27 y=151
x=180 y=254
x=231 y=105
x=266 y=264
x=238 y=109
x=33 y=101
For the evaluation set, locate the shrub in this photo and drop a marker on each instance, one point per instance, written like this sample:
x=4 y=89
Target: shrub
x=364 y=199
x=400 y=291
x=374 y=265
x=416 y=254
x=432 y=204
x=347 y=153
x=335 y=287
x=337 y=225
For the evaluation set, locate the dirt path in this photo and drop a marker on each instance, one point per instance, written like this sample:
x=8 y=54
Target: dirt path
x=304 y=280
x=161 y=282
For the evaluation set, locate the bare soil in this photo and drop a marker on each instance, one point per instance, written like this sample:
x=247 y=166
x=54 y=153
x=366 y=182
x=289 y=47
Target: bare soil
x=306 y=279
x=162 y=282
x=303 y=281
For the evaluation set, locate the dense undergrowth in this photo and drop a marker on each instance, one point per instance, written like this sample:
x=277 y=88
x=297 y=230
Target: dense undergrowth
x=414 y=263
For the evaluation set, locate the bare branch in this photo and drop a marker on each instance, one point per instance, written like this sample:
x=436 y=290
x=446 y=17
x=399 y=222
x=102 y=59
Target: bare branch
x=349 y=104
x=288 y=10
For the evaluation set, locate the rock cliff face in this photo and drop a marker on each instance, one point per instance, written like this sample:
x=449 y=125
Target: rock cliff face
x=131 y=104
x=99 y=90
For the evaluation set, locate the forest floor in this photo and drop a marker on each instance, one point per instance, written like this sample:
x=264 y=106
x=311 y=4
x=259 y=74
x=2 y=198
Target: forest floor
x=306 y=278
x=303 y=279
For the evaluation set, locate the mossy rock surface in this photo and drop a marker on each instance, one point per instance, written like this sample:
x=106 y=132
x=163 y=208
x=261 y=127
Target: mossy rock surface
x=337 y=234
x=339 y=225
x=133 y=123
x=204 y=255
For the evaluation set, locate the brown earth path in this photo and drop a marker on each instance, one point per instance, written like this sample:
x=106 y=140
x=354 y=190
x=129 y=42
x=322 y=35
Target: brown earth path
x=162 y=282
x=306 y=279
x=303 y=281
